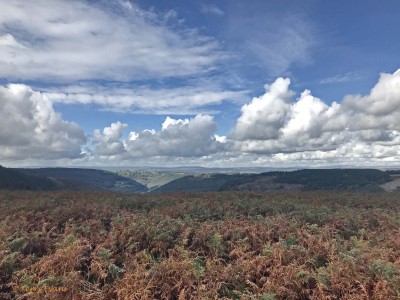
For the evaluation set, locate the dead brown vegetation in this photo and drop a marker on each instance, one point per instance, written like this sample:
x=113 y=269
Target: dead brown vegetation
x=233 y=245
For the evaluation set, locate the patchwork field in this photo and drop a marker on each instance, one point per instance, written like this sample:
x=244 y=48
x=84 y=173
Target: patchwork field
x=226 y=245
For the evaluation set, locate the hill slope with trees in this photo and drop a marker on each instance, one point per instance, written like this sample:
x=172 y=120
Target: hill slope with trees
x=87 y=179
x=310 y=179
x=14 y=180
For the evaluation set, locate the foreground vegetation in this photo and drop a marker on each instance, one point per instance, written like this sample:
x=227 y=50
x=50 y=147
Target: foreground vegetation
x=230 y=245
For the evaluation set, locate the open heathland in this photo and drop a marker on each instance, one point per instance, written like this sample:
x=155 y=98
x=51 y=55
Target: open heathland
x=222 y=245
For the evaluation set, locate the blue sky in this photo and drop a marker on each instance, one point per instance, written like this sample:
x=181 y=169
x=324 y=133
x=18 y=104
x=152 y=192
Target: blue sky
x=211 y=83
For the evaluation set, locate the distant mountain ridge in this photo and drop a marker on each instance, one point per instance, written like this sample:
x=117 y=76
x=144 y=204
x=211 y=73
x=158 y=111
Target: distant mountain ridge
x=166 y=181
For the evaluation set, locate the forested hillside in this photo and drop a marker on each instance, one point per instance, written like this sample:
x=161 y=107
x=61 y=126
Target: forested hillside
x=15 y=180
x=312 y=179
x=86 y=179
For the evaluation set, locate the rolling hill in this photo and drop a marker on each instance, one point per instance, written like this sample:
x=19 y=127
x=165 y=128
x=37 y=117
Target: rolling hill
x=336 y=179
x=309 y=179
x=207 y=182
x=86 y=179
x=12 y=179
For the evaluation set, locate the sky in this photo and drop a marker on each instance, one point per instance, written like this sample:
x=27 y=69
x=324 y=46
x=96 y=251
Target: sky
x=225 y=83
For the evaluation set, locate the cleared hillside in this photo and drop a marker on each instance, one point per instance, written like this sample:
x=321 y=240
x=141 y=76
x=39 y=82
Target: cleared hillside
x=151 y=179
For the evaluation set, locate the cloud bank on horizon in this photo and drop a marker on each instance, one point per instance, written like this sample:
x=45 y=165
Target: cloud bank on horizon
x=129 y=62
x=275 y=127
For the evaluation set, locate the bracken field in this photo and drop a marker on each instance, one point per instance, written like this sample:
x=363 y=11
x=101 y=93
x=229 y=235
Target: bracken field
x=227 y=245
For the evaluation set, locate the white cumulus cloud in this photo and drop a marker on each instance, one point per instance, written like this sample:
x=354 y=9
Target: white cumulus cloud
x=264 y=116
x=193 y=137
x=30 y=128
x=108 y=142
x=360 y=127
